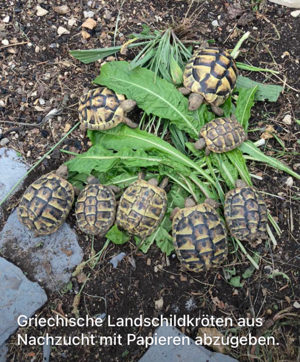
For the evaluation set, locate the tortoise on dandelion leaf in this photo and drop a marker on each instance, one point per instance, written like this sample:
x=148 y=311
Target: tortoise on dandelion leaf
x=221 y=135
x=142 y=207
x=199 y=236
x=101 y=109
x=95 y=208
x=47 y=202
x=210 y=76
x=245 y=212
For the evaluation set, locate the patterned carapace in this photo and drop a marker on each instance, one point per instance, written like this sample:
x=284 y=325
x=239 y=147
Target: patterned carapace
x=100 y=109
x=46 y=204
x=246 y=213
x=211 y=72
x=199 y=238
x=223 y=134
x=141 y=208
x=95 y=209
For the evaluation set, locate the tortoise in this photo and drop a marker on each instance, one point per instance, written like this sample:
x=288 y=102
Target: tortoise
x=95 y=208
x=101 y=109
x=245 y=212
x=199 y=235
x=47 y=202
x=142 y=207
x=210 y=76
x=221 y=135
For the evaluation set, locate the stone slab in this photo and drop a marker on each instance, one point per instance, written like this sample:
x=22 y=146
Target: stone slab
x=48 y=259
x=19 y=296
x=12 y=169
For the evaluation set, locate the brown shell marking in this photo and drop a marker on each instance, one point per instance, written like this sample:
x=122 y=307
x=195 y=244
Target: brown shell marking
x=141 y=208
x=223 y=135
x=99 y=109
x=211 y=72
x=199 y=238
x=46 y=204
x=95 y=209
x=246 y=213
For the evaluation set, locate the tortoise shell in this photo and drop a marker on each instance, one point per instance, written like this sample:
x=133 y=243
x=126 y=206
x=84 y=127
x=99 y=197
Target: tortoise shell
x=95 y=209
x=46 y=204
x=223 y=134
x=246 y=213
x=99 y=109
x=199 y=238
x=211 y=72
x=141 y=208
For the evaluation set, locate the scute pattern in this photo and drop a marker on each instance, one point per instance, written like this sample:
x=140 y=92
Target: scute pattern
x=141 y=208
x=199 y=238
x=211 y=72
x=246 y=213
x=223 y=135
x=95 y=209
x=99 y=109
x=46 y=204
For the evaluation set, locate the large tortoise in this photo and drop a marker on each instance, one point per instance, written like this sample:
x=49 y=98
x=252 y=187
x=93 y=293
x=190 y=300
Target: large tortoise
x=95 y=208
x=199 y=236
x=245 y=212
x=142 y=207
x=47 y=202
x=101 y=109
x=210 y=76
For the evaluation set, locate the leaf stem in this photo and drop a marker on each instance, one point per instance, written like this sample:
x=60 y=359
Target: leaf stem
x=236 y=49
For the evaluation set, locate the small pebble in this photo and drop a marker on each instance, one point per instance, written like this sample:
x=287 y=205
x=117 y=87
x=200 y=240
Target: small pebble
x=6 y=19
x=289 y=182
x=41 y=11
x=4 y=142
x=287 y=119
x=295 y=13
x=72 y=22
x=42 y=101
x=5 y=42
x=88 y=14
x=107 y=15
x=62 y=31
x=215 y=23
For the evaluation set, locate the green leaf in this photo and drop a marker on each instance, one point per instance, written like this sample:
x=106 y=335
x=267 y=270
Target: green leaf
x=157 y=97
x=236 y=282
x=248 y=272
x=117 y=236
x=256 y=154
x=237 y=159
x=91 y=55
x=251 y=68
x=265 y=92
x=244 y=104
x=123 y=136
x=228 y=171
x=99 y=159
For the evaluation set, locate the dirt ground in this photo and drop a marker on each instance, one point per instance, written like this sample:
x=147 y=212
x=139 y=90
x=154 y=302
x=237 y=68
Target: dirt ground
x=37 y=72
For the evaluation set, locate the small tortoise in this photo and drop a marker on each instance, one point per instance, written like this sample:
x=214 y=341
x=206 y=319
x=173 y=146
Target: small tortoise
x=95 y=208
x=245 y=212
x=47 y=202
x=199 y=236
x=142 y=207
x=101 y=109
x=221 y=135
x=210 y=75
